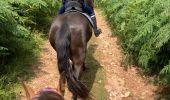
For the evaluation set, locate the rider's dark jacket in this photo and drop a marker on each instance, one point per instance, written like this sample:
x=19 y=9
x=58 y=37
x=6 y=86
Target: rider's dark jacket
x=86 y=8
x=80 y=1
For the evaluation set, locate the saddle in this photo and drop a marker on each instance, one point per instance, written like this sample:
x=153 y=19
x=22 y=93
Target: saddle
x=76 y=6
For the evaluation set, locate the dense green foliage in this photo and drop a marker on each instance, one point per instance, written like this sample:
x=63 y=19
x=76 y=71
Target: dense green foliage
x=143 y=27
x=20 y=24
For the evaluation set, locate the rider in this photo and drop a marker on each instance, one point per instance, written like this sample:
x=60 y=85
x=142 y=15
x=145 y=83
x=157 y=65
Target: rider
x=87 y=9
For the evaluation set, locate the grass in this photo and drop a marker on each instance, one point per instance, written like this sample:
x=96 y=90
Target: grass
x=94 y=75
x=22 y=64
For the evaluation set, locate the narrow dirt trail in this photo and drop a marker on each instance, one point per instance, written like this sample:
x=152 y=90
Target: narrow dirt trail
x=118 y=84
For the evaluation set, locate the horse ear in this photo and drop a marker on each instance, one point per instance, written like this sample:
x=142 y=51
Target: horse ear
x=58 y=91
x=28 y=90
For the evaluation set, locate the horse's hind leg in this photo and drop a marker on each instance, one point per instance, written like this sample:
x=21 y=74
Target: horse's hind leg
x=62 y=82
x=79 y=64
x=78 y=70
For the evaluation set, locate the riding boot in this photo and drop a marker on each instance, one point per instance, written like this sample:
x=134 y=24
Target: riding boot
x=97 y=31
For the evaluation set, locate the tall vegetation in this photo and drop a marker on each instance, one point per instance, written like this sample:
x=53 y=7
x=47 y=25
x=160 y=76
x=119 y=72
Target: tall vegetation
x=20 y=24
x=143 y=27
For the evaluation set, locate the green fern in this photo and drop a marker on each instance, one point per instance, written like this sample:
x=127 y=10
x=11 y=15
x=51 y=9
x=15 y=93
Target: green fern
x=143 y=27
x=20 y=24
x=165 y=70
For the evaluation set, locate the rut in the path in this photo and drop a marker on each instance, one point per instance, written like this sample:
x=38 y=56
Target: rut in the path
x=119 y=84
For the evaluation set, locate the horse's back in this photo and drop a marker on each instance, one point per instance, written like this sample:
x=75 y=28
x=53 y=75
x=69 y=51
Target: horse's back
x=78 y=27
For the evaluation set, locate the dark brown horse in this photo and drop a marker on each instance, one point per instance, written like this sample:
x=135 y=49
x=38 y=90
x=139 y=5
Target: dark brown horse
x=69 y=35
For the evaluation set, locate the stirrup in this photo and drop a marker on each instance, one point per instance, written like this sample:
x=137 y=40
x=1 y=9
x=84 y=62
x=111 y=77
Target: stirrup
x=97 y=32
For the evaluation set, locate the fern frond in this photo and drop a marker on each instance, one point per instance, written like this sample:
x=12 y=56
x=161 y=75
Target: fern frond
x=165 y=70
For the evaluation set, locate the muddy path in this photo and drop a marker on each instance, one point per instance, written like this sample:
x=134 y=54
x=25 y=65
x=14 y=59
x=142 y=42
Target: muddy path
x=105 y=76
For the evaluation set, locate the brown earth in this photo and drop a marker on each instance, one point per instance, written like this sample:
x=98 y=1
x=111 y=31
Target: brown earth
x=119 y=84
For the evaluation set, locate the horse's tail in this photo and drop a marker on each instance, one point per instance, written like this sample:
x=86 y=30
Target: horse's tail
x=63 y=52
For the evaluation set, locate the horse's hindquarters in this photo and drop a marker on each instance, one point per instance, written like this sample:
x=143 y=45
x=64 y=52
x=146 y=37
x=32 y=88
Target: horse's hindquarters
x=69 y=37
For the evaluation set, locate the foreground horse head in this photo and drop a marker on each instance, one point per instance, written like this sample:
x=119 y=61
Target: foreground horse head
x=44 y=94
x=68 y=35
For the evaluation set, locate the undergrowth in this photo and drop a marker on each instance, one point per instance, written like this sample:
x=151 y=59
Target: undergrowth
x=143 y=28
x=23 y=23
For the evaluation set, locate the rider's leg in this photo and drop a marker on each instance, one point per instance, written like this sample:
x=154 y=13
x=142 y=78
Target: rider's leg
x=90 y=11
x=61 y=10
x=97 y=30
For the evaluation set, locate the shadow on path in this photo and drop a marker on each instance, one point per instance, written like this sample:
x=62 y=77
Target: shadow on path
x=93 y=76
